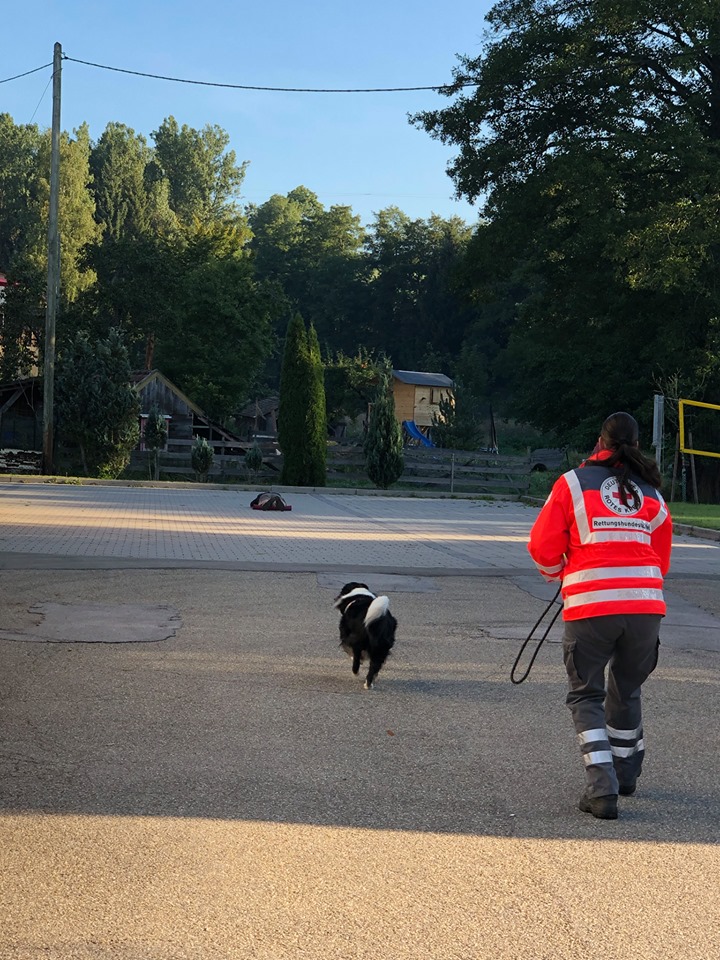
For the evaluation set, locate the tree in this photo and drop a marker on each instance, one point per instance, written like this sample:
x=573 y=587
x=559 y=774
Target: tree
x=383 y=443
x=592 y=129
x=413 y=295
x=155 y=437
x=97 y=408
x=220 y=334
x=302 y=425
x=291 y=412
x=167 y=212
x=201 y=458
x=457 y=424
x=316 y=417
x=203 y=174
x=135 y=260
x=350 y=384
x=315 y=254
x=76 y=213
x=24 y=201
x=19 y=189
x=253 y=461
x=138 y=280
x=131 y=191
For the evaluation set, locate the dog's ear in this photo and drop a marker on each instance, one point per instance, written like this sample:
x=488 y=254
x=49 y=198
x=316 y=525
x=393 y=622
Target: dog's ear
x=351 y=588
x=353 y=585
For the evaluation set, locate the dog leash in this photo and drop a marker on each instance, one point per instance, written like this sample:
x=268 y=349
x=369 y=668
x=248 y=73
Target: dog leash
x=540 y=642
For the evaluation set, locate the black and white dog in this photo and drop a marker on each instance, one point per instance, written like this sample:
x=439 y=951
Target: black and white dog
x=367 y=628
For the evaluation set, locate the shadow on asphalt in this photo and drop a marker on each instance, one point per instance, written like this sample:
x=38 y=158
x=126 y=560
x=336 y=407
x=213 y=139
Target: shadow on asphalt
x=212 y=738
x=251 y=712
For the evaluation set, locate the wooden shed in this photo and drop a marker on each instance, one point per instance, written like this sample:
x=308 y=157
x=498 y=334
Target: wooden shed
x=21 y=426
x=185 y=420
x=417 y=395
x=21 y=422
x=258 y=418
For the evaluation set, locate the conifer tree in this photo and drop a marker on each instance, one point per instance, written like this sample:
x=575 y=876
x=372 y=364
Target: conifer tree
x=302 y=418
x=202 y=456
x=383 y=445
x=316 y=419
x=293 y=402
x=155 y=437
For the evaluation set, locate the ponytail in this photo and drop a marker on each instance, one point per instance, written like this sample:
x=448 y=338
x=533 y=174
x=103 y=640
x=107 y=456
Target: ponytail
x=620 y=436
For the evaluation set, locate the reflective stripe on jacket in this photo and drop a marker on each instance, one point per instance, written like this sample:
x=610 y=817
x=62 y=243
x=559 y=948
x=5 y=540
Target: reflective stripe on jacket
x=610 y=556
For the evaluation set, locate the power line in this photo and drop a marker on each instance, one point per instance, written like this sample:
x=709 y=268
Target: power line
x=41 y=99
x=27 y=73
x=242 y=86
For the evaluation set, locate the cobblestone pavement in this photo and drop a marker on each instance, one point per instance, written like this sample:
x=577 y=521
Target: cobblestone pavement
x=215 y=526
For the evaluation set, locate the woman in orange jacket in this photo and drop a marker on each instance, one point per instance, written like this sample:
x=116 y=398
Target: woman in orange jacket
x=606 y=534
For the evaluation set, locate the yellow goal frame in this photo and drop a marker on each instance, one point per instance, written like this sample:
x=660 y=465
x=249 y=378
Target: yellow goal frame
x=681 y=416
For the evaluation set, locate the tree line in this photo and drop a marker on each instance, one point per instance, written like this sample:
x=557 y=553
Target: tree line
x=157 y=246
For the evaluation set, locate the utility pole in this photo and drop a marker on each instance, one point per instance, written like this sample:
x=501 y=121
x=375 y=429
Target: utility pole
x=53 y=274
x=658 y=428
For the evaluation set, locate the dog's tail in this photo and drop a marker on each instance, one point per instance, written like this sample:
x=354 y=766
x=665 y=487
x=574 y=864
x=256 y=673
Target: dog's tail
x=378 y=608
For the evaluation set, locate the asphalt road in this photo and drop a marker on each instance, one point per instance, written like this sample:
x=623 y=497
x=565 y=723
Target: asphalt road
x=188 y=768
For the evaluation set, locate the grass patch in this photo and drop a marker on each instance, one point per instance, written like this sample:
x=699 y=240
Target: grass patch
x=693 y=514
x=696 y=514
x=541 y=483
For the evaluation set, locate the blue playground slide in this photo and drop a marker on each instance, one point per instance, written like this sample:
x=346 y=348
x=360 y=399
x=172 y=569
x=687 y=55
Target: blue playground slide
x=416 y=434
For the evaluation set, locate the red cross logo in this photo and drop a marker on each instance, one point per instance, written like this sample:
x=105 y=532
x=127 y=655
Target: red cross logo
x=613 y=497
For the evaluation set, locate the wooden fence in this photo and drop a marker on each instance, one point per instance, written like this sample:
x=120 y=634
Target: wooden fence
x=432 y=469
x=228 y=462
x=447 y=471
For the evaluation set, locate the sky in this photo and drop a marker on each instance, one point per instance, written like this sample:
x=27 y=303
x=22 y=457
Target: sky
x=353 y=149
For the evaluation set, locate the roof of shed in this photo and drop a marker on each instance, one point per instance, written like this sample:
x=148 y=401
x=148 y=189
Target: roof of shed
x=423 y=379
x=260 y=408
x=141 y=378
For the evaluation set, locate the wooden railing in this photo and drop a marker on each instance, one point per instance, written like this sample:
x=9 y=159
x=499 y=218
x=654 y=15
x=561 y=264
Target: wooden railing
x=447 y=471
x=453 y=471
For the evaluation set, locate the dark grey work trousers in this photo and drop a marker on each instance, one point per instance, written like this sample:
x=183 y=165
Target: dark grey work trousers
x=608 y=717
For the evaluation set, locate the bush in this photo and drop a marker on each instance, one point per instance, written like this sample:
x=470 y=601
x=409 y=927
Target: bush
x=97 y=408
x=201 y=457
x=155 y=437
x=457 y=424
x=253 y=460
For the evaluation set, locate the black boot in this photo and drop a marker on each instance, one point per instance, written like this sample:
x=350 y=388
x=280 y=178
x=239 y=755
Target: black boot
x=604 y=808
x=628 y=789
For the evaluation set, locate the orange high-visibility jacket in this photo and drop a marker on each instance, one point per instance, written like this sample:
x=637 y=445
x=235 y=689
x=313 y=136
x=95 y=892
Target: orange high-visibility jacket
x=610 y=557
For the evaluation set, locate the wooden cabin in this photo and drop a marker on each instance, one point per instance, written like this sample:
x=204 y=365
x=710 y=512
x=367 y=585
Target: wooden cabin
x=21 y=426
x=258 y=419
x=184 y=419
x=417 y=396
x=21 y=422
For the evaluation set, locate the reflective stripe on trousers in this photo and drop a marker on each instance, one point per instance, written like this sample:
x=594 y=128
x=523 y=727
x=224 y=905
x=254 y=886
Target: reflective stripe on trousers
x=608 y=721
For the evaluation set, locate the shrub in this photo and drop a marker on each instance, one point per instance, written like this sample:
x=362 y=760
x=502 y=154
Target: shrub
x=97 y=408
x=155 y=437
x=201 y=457
x=253 y=460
